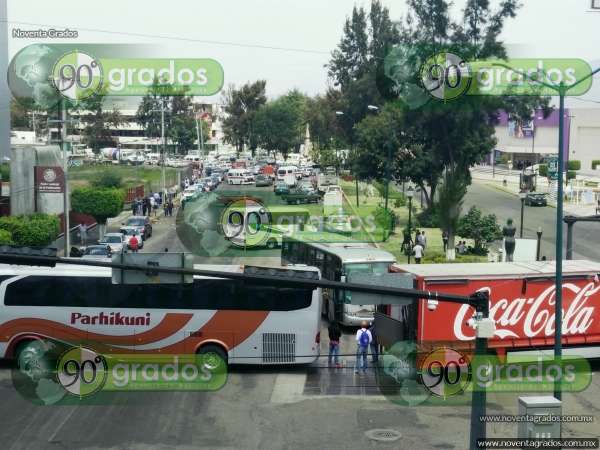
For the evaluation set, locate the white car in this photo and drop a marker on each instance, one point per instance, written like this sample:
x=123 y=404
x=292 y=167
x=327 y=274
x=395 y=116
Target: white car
x=116 y=242
x=129 y=232
x=189 y=192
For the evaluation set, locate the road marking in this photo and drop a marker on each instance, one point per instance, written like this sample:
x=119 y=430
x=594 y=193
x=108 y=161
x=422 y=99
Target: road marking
x=288 y=388
x=58 y=428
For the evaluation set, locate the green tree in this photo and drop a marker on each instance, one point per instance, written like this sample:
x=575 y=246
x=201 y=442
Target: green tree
x=35 y=230
x=241 y=106
x=100 y=203
x=276 y=126
x=98 y=121
x=482 y=229
x=349 y=61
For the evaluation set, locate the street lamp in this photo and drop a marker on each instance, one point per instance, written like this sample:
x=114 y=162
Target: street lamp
x=522 y=196
x=409 y=194
x=539 y=243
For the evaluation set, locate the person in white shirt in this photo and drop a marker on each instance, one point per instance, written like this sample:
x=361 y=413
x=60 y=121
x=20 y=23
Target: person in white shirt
x=363 y=340
x=418 y=252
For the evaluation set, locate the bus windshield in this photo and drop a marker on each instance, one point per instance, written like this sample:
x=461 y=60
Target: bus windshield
x=374 y=267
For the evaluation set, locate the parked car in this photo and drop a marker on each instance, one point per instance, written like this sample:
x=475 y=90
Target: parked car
x=116 y=242
x=95 y=252
x=340 y=224
x=301 y=195
x=281 y=188
x=129 y=232
x=536 y=199
x=263 y=180
x=142 y=224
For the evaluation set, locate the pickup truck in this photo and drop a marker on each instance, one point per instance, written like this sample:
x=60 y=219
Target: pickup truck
x=302 y=195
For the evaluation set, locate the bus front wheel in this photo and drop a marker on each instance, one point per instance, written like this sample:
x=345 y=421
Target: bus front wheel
x=213 y=356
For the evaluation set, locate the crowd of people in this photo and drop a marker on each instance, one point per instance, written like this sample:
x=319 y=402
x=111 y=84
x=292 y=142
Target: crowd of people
x=149 y=205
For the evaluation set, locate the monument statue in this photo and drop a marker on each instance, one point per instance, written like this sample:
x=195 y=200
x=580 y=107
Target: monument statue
x=508 y=231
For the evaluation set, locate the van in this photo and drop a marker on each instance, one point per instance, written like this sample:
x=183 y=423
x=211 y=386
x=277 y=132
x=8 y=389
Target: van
x=287 y=174
x=239 y=176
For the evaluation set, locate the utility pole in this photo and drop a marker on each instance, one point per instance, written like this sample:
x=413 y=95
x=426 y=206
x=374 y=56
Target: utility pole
x=164 y=146
x=63 y=144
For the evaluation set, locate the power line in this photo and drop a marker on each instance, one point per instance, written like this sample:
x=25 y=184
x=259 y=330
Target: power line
x=174 y=38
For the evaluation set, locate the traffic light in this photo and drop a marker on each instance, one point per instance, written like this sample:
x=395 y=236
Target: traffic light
x=27 y=256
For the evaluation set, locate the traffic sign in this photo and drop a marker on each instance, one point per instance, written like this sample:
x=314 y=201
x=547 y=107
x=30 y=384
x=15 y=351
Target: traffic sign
x=553 y=168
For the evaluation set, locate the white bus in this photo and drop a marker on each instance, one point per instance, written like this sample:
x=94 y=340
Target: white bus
x=336 y=260
x=239 y=176
x=242 y=322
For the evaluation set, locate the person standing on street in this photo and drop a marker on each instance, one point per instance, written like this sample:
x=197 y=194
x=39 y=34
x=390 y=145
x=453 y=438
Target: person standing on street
x=83 y=233
x=134 y=243
x=334 y=344
x=153 y=205
x=418 y=252
x=423 y=240
x=144 y=206
x=363 y=340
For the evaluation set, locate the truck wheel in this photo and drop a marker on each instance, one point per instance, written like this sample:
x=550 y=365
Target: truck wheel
x=214 y=356
x=271 y=244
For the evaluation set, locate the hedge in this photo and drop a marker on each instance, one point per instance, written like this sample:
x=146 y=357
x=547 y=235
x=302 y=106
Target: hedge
x=6 y=238
x=595 y=163
x=36 y=230
x=543 y=170
x=571 y=174
x=100 y=203
x=574 y=165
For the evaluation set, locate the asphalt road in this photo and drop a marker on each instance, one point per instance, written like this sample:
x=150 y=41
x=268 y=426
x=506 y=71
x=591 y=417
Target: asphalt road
x=265 y=407
x=491 y=200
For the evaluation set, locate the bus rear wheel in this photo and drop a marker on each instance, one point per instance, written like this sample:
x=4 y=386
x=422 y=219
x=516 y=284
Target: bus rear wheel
x=271 y=244
x=29 y=359
x=213 y=356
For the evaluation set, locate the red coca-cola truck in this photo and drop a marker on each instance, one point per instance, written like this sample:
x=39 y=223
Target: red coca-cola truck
x=521 y=304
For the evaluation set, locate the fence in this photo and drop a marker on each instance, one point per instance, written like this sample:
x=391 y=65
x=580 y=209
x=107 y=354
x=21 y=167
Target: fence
x=134 y=192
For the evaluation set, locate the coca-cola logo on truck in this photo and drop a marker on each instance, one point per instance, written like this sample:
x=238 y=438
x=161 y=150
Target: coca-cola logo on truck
x=534 y=316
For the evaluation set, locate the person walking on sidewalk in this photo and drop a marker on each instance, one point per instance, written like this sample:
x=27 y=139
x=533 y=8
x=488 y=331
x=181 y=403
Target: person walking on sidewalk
x=83 y=233
x=334 y=344
x=363 y=340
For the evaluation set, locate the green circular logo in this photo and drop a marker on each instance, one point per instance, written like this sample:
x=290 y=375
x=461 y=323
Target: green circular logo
x=246 y=223
x=445 y=372
x=77 y=75
x=446 y=76
x=81 y=371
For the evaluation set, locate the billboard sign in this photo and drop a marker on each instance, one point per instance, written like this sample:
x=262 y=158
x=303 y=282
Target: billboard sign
x=49 y=179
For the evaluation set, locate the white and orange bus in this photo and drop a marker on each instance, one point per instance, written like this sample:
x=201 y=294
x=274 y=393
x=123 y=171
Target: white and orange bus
x=241 y=322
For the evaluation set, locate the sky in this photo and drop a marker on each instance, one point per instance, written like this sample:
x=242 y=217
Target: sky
x=285 y=42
